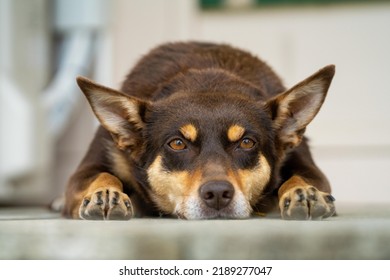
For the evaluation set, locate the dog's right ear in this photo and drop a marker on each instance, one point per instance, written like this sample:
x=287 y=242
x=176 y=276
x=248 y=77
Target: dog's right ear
x=118 y=113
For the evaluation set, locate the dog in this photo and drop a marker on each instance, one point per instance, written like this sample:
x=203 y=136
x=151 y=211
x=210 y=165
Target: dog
x=201 y=131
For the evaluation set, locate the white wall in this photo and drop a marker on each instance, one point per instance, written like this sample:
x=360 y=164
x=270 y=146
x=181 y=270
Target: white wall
x=299 y=41
x=25 y=56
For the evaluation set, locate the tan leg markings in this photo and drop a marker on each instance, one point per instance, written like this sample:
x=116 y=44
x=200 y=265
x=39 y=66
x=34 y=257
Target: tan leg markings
x=104 y=200
x=299 y=200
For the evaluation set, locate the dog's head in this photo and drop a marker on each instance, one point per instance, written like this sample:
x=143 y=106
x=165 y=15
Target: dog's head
x=209 y=147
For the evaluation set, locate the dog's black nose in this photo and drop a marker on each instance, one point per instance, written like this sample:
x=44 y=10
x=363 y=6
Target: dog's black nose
x=217 y=194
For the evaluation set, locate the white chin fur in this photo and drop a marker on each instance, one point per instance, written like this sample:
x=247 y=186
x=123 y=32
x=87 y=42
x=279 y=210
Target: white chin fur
x=194 y=209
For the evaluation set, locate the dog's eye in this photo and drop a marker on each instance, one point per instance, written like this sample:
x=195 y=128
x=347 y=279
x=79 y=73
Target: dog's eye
x=177 y=144
x=247 y=144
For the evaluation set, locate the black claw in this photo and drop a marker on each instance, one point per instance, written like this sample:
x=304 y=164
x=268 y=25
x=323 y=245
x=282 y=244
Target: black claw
x=115 y=199
x=86 y=202
x=287 y=203
x=300 y=194
x=99 y=200
x=313 y=195
x=330 y=198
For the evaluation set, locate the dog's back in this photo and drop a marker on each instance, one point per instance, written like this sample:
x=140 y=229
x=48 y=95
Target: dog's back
x=159 y=68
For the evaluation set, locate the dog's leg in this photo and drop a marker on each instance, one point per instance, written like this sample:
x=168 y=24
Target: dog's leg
x=305 y=194
x=93 y=193
x=104 y=200
x=99 y=197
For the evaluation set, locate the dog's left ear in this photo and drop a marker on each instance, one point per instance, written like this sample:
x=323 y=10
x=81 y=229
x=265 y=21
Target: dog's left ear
x=294 y=109
x=118 y=113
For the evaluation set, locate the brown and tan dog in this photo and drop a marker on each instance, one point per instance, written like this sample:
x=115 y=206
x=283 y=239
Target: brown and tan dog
x=201 y=131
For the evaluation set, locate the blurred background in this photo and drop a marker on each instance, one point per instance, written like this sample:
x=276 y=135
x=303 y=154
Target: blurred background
x=46 y=125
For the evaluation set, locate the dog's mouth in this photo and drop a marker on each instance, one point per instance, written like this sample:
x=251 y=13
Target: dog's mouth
x=212 y=216
x=197 y=212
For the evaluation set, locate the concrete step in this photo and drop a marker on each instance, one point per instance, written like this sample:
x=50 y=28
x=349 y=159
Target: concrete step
x=358 y=232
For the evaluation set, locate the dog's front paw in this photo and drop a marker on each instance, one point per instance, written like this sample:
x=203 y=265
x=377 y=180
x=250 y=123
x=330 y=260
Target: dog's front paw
x=306 y=202
x=105 y=200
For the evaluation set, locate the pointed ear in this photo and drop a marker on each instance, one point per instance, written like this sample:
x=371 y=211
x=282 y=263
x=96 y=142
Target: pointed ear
x=294 y=109
x=118 y=113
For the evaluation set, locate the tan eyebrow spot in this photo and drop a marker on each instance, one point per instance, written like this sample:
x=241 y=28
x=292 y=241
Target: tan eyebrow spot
x=235 y=132
x=189 y=131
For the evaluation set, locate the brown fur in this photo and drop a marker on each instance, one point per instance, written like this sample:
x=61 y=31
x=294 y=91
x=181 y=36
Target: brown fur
x=201 y=131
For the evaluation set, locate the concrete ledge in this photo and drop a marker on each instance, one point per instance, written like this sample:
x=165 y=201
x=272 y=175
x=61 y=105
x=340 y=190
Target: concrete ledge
x=361 y=232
